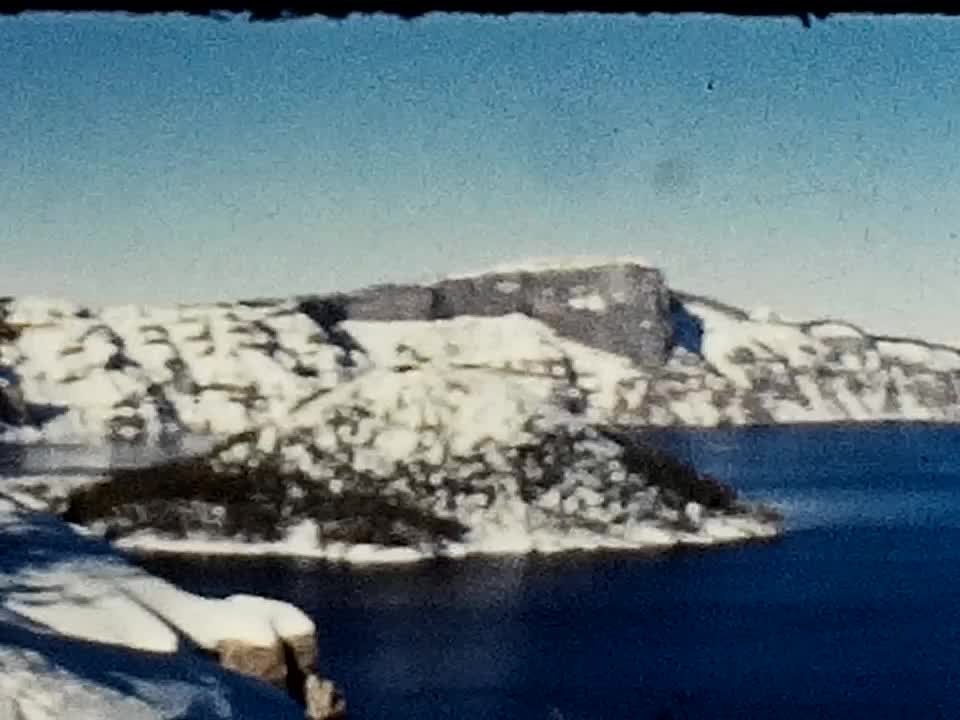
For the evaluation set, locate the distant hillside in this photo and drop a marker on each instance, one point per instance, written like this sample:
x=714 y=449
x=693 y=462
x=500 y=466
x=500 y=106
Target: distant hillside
x=610 y=339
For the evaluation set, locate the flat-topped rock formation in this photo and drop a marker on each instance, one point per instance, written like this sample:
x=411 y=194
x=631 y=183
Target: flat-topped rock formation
x=622 y=309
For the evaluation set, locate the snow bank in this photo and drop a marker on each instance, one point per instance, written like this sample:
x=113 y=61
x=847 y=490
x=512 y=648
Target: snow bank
x=72 y=614
x=84 y=591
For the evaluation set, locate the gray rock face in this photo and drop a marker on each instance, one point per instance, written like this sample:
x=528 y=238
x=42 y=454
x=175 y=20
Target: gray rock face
x=323 y=700
x=620 y=308
x=623 y=309
x=485 y=295
x=390 y=302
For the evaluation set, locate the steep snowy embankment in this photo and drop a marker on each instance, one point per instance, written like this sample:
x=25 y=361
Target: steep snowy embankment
x=739 y=369
x=85 y=635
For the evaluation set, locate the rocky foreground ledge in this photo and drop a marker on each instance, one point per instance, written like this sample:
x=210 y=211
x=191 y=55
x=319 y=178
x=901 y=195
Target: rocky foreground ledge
x=84 y=633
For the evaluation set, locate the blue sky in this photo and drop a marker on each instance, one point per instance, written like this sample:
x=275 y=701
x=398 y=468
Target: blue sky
x=165 y=159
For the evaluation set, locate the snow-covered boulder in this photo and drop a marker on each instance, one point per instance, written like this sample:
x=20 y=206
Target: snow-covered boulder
x=85 y=634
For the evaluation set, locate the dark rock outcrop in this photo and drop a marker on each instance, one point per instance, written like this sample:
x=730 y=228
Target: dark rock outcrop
x=260 y=661
x=484 y=296
x=13 y=406
x=390 y=302
x=8 y=333
x=681 y=483
x=620 y=308
x=289 y=664
x=322 y=699
x=253 y=504
x=623 y=309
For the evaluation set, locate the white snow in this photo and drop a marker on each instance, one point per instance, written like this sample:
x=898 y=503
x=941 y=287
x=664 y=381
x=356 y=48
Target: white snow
x=430 y=391
x=593 y=302
x=763 y=313
x=230 y=368
x=937 y=359
x=36 y=310
x=507 y=342
x=87 y=593
x=541 y=264
x=507 y=536
x=72 y=615
x=835 y=330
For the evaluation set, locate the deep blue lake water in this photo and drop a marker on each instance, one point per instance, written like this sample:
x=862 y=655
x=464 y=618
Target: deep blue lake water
x=855 y=613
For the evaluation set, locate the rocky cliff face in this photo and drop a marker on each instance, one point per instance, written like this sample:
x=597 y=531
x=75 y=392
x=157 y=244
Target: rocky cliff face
x=132 y=372
x=13 y=406
x=622 y=309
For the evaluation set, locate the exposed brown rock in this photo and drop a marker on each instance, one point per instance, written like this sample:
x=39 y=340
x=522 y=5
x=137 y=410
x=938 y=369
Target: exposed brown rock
x=288 y=664
x=304 y=651
x=323 y=701
x=264 y=662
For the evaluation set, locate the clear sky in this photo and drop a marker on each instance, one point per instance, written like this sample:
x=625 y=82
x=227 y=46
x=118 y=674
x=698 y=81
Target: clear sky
x=173 y=159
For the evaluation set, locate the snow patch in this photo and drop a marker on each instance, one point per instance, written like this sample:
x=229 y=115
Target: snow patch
x=545 y=264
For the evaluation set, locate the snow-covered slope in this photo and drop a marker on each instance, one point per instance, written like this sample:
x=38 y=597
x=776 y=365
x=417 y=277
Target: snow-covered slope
x=85 y=635
x=137 y=372
x=739 y=369
x=132 y=372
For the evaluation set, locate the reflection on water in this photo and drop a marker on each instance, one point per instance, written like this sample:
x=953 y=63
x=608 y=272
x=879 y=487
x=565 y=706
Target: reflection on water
x=67 y=459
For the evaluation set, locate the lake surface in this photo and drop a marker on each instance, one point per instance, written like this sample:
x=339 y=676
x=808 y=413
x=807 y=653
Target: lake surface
x=855 y=613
